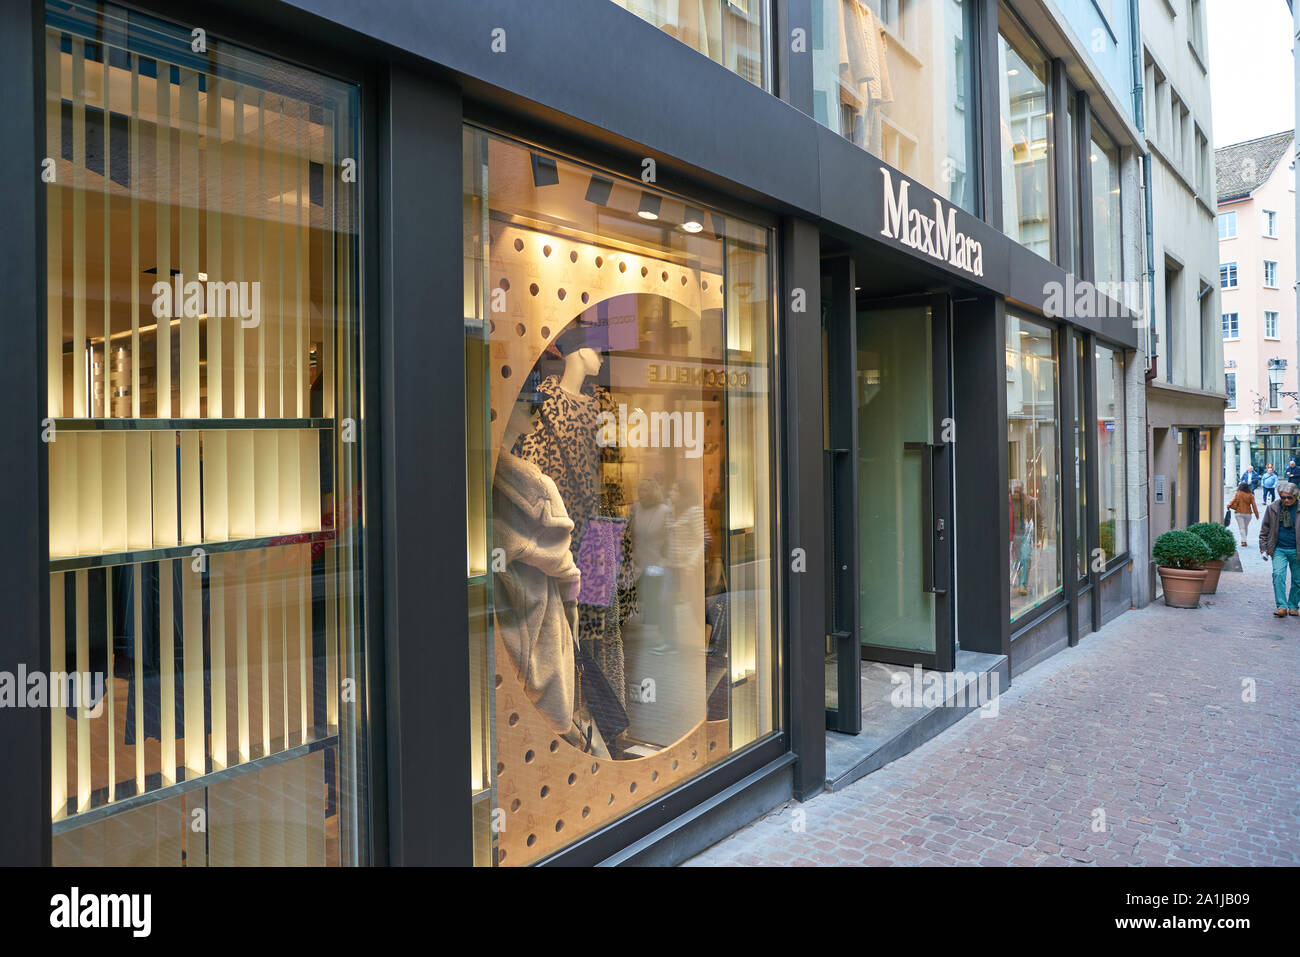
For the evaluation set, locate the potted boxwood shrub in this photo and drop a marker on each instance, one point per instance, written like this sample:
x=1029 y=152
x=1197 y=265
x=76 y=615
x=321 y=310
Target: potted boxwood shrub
x=1180 y=557
x=1221 y=544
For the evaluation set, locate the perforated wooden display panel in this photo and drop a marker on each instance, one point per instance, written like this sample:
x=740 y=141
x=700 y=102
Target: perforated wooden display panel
x=550 y=792
x=548 y=282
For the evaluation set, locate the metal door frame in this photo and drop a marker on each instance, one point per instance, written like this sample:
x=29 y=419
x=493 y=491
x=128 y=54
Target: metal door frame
x=940 y=553
x=841 y=477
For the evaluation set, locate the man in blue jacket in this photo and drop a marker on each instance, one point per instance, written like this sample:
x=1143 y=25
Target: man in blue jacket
x=1269 y=482
x=1293 y=472
x=1250 y=477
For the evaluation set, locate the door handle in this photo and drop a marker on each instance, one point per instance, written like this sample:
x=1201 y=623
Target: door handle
x=933 y=525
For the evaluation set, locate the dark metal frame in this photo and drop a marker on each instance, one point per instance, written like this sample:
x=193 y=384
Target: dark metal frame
x=840 y=329
x=24 y=584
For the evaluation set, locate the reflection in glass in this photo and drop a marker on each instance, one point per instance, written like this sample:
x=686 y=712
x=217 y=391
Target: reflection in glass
x=895 y=78
x=1033 y=498
x=730 y=32
x=621 y=518
x=1026 y=148
x=1111 y=511
x=1104 y=161
x=895 y=423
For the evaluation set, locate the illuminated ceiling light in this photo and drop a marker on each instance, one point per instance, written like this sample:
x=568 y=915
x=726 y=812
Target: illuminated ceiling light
x=694 y=221
x=1013 y=72
x=598 y=190
x=649 y=208
x=545 y=172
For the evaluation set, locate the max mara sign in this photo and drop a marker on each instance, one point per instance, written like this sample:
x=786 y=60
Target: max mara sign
x=937 y=236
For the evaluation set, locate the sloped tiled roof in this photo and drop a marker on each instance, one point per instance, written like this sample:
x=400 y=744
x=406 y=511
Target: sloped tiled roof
x=1241 y=168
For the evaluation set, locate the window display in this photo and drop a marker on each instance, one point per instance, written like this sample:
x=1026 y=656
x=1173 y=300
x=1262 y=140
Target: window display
x=1033 y=499
x=1111 y=492
x=621 y=496
x=895 y=79
x=205 y=492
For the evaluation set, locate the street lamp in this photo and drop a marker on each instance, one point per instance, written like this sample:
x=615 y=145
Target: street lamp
x=1276 y=375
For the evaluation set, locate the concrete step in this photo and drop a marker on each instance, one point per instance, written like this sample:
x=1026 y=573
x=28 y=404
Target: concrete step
x=890 y=731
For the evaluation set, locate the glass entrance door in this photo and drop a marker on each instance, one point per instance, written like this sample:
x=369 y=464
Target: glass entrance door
x=904 y=486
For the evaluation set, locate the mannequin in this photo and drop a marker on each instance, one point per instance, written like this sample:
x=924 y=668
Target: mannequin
x=539 y=582
x=579 y=365
x=563 y=445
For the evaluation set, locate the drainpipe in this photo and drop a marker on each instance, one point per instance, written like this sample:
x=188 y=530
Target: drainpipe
x=1139 y=117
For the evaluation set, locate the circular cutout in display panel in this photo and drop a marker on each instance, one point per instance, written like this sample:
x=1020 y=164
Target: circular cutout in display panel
x=549 y=792
x=517 y=264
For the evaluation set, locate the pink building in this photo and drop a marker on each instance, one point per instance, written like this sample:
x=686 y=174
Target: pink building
x=1257 y=256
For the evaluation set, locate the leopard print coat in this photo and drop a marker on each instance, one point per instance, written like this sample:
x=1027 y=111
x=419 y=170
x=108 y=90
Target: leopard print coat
x=563 y=445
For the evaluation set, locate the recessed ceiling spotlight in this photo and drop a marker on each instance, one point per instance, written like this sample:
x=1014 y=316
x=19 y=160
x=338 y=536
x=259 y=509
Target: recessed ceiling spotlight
x=545 y=172
x=598 y=190
x=694 y=221
x=649 y=208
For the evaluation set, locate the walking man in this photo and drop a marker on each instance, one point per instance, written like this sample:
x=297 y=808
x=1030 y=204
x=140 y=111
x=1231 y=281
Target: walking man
x=1250 y=477
x=1277 y=541
x=1293 y=472
x=1269 y=481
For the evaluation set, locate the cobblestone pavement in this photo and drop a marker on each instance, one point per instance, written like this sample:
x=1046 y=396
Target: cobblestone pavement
x=1144 y=721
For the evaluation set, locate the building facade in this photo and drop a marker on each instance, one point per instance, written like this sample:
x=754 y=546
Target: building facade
x=794 y=339
x=1185 y=386
x=1256 y=189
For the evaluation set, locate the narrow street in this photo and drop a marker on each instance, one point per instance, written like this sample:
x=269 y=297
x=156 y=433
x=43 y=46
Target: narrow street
x=1144 y=722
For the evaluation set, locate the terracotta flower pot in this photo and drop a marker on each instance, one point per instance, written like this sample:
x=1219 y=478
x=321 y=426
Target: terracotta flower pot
x=1182 y=586
x=1212 y=570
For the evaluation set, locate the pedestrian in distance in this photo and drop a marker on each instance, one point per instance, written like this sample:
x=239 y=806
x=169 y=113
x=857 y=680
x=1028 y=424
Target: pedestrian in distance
x=1293 y=472
x=1250 y=477
x=1269 y=482
x=1243 y=506
x=1277 y=541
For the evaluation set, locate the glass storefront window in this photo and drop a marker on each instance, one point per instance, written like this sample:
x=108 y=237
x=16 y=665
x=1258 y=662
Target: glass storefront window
x=1033 y=499
x=1025 y=137
x=1112 y=528
x=620 y=465
x=205 y=485
x=1104 y=161
x=730 y=32
x=896 y=79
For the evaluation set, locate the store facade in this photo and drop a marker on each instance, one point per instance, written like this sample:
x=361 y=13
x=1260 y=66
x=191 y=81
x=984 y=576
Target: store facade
x=727 y=414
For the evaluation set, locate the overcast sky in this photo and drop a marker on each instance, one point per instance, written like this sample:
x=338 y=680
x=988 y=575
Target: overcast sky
x=1252 y=72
